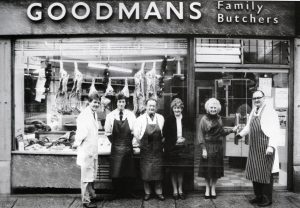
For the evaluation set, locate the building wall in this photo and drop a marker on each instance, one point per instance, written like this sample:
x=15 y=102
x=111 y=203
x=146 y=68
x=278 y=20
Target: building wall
x=5 y=115
x=296 y=165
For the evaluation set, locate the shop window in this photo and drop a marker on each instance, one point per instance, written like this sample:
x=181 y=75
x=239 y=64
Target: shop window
x=242 y=51
x=53 y=78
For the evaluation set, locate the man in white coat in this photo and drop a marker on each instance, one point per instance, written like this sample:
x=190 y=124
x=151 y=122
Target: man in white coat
x=86 y=142
x=262 y=162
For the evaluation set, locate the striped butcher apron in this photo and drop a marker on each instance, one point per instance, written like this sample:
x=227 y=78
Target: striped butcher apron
x=259 y=165
x=151 y=153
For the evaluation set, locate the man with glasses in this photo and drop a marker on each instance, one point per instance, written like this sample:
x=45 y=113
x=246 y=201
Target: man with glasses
x=262 y=163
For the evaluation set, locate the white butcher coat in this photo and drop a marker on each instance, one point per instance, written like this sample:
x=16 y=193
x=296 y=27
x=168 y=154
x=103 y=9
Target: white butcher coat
x=86 y=139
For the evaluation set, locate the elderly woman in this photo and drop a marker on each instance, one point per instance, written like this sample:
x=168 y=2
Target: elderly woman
x=177 y=154
x=210 y=137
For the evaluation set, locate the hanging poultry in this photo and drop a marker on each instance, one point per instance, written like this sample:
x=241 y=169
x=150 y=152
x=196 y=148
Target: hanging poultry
x=61 y=95
x=109 y=90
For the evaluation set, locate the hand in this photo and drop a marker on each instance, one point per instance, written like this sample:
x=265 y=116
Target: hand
x=74 y=146
x=204 y=154
x=180 y=140
x=234 y=129
x=269 y=151
x=236 y=139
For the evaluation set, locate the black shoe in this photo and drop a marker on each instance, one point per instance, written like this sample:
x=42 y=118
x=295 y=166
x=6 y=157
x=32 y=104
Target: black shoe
x=160 y=197
x=255 y=200
x=213 y=196
x=265 y=202
x=175 y=196
x=182 y=196
x=147 y=197
x=89 y=205
x=206 y=196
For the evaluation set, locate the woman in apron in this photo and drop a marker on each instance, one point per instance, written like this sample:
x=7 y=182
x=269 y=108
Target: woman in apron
x=148 y=131
x=118 y=128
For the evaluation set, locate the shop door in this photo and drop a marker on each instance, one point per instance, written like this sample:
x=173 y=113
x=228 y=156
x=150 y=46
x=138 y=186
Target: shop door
x=234 y=92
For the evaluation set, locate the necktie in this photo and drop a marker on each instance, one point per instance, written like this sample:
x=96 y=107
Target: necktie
x=94 y=114
x=121 y=115
x=257 y=110
x=151 y=116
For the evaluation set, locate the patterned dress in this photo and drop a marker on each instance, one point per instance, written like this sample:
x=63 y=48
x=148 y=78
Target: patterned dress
x=210 y=136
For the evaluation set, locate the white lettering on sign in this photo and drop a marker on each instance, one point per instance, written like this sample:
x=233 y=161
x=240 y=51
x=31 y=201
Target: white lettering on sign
x=152 y=11
x=87 y=10
x=99 y=16
x=38 y=14
x=135 y=9
x=171 y=7
x=195 y=10
x=252 y=16
x=62 y=14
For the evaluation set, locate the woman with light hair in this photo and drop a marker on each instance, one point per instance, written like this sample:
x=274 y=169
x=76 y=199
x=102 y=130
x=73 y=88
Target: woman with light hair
x=210 y=136
x=178 y=147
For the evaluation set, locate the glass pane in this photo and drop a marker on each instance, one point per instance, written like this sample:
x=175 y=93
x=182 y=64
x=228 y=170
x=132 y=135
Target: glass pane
x=55 y=76
x=234 y=92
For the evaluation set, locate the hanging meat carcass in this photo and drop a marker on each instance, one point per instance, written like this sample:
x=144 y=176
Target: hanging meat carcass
x=151 y=82
x=125 y=90
x=40 y=85
x=109 y=90
x=61 y=95
x=75 y=95
x=139 y=92
x=93 y=89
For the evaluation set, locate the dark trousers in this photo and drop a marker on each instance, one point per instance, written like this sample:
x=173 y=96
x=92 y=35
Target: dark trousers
x=264 y=189
x=123 y=186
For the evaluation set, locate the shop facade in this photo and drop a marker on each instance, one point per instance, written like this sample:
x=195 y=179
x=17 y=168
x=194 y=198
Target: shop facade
x=53 y=54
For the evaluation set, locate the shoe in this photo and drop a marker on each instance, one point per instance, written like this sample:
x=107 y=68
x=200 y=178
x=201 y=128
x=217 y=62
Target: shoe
x=175 y=196
x=213 y=196
x=147 y=197
x=182 y=196
x=255 y=200
x=160 y=197
x=264 y=202
x=89 y=205
x=206 y=196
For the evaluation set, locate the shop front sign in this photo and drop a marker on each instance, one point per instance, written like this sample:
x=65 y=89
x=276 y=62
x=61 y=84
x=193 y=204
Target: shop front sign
x=148 y=17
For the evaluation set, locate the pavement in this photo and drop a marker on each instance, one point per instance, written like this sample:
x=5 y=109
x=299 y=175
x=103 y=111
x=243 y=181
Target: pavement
x=194 y=200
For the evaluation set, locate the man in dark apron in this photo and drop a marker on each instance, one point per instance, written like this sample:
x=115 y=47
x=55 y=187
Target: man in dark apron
x=118 y=128
x=262 y=162
x=148 y=131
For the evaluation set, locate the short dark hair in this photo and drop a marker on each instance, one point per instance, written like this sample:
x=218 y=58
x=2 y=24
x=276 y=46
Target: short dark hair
x=263 y=94
x=94 y=96
x=121 y=96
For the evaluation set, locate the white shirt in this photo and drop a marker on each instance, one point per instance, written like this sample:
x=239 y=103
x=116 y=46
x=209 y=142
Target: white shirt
x=115 y=114
x=143 y=120
x=259 y=110
x=179 y=125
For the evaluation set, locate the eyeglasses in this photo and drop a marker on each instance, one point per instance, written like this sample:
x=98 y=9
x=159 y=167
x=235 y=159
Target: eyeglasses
x=257 y=98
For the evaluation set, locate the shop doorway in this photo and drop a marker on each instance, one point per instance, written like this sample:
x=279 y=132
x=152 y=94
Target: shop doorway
x=234 y=92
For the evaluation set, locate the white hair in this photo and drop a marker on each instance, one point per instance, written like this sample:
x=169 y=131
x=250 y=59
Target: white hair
x=213 y=101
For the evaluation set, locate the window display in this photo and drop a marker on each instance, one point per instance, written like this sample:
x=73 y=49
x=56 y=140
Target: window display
x=55 y=76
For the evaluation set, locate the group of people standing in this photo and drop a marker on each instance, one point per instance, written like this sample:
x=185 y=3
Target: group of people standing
x=164 y=143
